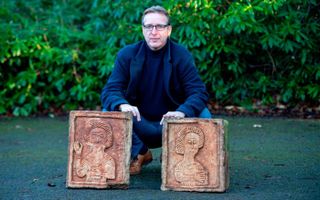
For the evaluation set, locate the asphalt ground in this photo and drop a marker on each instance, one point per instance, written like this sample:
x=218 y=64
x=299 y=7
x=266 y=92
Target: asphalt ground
x=270 y=158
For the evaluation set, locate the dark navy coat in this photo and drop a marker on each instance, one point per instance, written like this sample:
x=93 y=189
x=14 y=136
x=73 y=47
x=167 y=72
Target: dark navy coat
x=181 y=79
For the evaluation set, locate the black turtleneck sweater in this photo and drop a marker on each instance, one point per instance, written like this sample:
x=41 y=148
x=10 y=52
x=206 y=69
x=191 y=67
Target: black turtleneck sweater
x=153 y=101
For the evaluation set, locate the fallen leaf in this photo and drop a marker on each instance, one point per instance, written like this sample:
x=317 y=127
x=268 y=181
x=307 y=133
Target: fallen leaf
x=51 y=185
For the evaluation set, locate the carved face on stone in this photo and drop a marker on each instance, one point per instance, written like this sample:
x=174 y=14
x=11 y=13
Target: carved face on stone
x=99 y=133
x=98 y=136
x=191 y=143
x=189 y=140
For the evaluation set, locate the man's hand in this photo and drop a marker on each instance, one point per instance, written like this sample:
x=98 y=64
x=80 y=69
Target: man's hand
x=129 y=108
x=172 y=114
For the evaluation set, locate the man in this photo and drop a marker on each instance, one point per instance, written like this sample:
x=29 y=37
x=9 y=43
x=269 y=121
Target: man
x=154 y=79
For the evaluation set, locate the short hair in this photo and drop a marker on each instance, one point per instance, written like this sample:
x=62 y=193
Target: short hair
x=182 y=134
x=156 y=9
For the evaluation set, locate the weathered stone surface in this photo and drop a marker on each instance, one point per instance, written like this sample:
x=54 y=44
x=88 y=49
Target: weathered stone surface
x=194 y=155
x=99 y=149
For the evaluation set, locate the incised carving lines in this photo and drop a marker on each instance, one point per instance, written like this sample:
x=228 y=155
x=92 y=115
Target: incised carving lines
x=91 y=160
x=189 y=171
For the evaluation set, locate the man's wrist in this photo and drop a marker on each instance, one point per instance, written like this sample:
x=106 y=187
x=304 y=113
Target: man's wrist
x=119 y=107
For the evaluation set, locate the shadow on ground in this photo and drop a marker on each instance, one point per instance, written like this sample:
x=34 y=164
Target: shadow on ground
x=270 y=158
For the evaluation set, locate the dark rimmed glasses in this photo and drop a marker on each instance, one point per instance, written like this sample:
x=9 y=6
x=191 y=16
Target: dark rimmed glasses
x=158 y=27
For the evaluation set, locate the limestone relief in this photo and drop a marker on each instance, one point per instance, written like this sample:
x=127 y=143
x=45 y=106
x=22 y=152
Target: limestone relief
x=91 y=161
x=194 y=155
x=189 y=171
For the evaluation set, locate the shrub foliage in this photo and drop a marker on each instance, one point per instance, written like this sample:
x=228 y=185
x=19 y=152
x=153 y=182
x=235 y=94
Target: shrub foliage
x=58 y=54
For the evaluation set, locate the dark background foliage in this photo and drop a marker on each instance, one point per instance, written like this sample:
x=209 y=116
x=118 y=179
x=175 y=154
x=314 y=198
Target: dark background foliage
x=56 y=55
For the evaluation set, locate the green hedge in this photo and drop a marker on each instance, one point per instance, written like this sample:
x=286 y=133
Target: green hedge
x=57 y=55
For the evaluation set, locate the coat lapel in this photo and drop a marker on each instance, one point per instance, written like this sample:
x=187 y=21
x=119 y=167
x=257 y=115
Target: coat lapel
x=136 y=72
x=167 y=71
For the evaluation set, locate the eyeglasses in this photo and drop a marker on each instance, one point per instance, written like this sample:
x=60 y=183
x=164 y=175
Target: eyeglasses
x=159 y=27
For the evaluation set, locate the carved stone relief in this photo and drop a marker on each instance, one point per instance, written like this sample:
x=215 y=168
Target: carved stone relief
x=189 y=171
x=194 y=155
x=99 y=149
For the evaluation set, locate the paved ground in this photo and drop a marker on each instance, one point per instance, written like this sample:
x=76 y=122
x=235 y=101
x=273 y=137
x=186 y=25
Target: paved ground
x=269 y=159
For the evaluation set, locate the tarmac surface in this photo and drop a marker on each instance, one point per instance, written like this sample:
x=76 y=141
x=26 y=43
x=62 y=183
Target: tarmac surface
x=270 y=158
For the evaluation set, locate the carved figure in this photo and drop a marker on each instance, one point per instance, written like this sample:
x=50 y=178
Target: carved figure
x=189 y=171
x=91 y=160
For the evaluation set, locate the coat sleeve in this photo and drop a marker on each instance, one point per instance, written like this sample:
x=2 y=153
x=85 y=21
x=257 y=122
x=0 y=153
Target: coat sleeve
x=195 y=94
x=113 y=93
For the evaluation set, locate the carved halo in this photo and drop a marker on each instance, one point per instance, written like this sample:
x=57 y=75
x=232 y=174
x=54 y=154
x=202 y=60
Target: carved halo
x=182 y=134
x=108 y=137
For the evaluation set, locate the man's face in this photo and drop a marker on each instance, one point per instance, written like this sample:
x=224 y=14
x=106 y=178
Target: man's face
x=156 y=39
